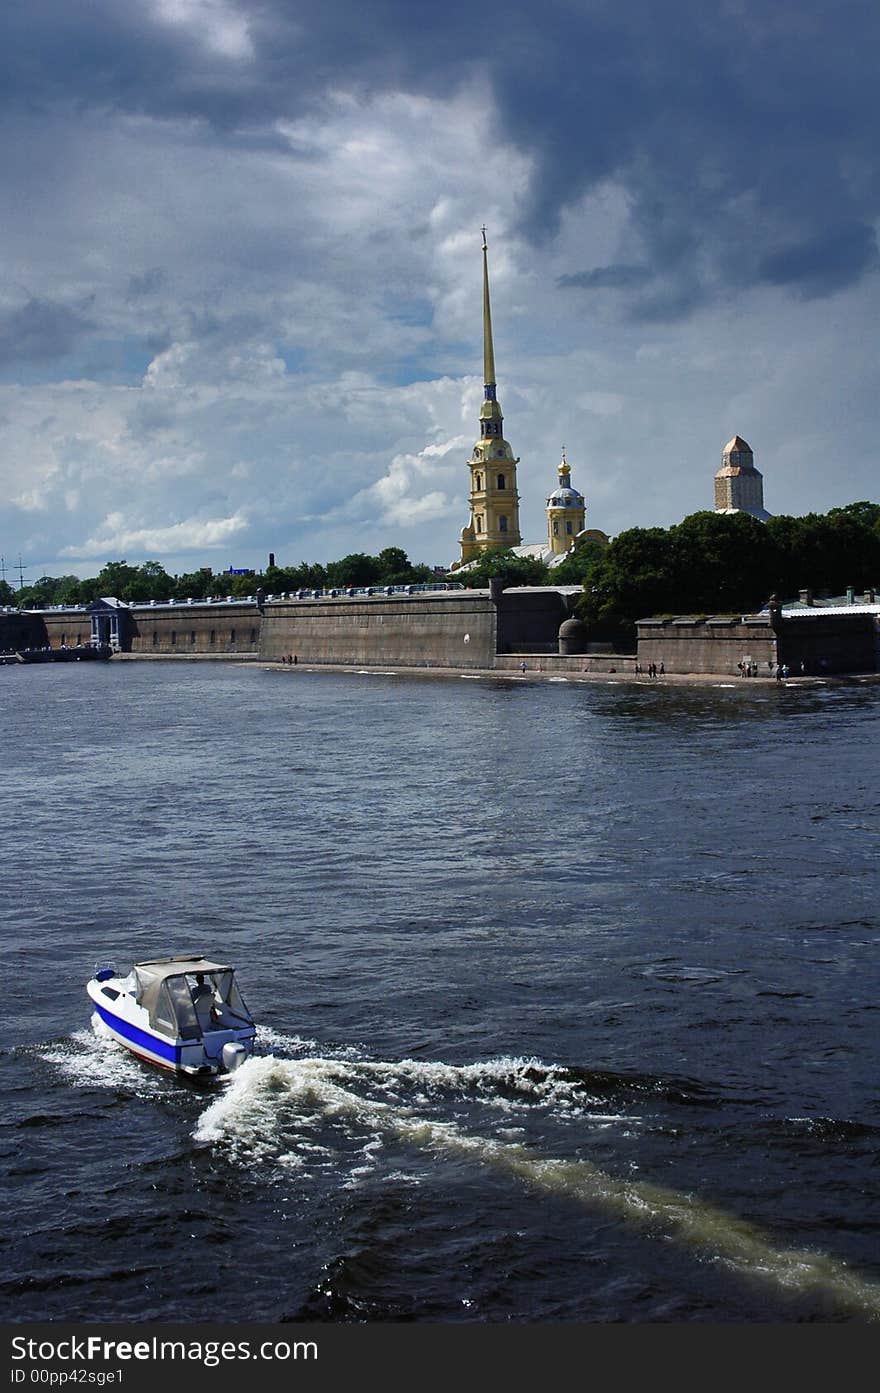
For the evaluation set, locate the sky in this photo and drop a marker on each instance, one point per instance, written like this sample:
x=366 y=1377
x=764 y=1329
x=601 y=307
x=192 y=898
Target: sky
x=241 y=276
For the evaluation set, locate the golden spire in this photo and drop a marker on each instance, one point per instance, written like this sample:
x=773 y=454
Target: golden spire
x=488 y=351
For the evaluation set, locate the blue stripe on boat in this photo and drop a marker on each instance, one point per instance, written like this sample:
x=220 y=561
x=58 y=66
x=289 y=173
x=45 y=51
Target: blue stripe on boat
x=135 y=1036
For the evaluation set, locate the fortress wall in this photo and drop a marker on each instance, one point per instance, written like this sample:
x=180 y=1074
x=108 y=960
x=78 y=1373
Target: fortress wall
x=830 y=642
x=685 y=644
x=435 y=629
x=569 y=665
x=21 y=631
x=441 y=628
x=198 y=628
x=822 y=642
x=528 y=621
x=166 y=629
x=66 y=628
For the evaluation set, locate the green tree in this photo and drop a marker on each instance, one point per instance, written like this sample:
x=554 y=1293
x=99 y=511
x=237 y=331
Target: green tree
x=578 y=564
x=632 y=579
x=826 y=552
x=7 y=594
x=193 y=585
x=53 y=590
x=308 y=575
x=355 y=569
x=70 y=591
x=397 y=569
x=152 y=582
x=38 y=594
x=237 y=586
x=395 y=566
x=864 y=512
x=721 y=563
x=117 y=580
x=502 y=564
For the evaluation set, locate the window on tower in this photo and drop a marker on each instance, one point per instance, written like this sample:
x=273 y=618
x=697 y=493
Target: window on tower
x=502 y=523
x=479 y=522
x=569 y=528
x=478 y=482
x=555 y=527
x=501 y=483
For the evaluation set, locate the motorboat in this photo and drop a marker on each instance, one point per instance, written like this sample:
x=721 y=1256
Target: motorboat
x=184 y=1014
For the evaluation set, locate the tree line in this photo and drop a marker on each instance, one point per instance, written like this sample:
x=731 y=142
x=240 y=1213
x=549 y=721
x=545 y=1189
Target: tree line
x=151 y=581
x=710 y=563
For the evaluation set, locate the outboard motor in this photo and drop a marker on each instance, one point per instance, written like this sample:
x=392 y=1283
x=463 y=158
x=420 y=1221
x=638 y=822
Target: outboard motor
x=234 y=1053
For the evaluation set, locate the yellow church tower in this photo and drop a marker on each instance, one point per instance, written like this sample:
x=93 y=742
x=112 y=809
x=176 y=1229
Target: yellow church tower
x=494 y=501
x=566 y=511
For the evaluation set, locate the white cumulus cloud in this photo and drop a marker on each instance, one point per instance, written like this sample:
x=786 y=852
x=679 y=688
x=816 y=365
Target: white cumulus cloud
x=116 y=538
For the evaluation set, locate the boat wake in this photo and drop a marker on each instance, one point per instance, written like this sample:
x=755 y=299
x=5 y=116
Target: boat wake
x=93 y=1059
x=295 y=1113
x=288 y=1111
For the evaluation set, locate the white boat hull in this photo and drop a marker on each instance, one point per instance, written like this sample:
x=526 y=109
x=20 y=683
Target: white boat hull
x=215 y=1052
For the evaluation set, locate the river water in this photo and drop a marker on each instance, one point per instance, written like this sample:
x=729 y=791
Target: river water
x=567 y=993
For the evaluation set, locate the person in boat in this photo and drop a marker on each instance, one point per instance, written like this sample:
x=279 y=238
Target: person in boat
x=206 y=1002
x=201 y=988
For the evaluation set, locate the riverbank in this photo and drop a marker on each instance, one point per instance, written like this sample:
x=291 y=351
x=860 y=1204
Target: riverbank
x=534 y=672
x=687 y=679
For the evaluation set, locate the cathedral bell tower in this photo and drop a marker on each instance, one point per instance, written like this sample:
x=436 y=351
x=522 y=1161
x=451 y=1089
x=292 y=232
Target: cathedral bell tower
x=566 y=512
x=494 y=501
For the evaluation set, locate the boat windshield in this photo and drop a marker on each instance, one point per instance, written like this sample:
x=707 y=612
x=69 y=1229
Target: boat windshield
x=226 y=987
x=178 y=1001
x=183 y=1011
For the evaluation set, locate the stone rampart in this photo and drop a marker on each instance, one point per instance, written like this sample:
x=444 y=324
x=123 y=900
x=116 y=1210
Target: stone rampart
x=689 y=644
x=21 y=630
x=529 y=620
x=569 y=665
x=180 y=629
x=455 y=629
x=231 y=628
x=808 y=642
x=814 y=642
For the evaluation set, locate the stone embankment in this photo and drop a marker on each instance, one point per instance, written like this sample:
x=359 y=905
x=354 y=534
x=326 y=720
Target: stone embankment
x=608 y=676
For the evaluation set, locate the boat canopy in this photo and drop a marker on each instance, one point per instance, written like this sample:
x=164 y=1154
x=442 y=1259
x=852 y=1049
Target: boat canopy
x=164 y=989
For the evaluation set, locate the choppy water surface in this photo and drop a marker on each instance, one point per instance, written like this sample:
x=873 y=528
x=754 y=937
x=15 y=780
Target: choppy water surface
x=568 y=998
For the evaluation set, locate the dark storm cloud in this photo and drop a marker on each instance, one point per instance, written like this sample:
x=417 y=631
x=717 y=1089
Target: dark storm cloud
x=40 y=331
x=742 y=133
x=825 y=262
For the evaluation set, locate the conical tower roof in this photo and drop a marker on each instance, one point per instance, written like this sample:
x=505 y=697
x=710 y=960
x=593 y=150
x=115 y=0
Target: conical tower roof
x=737 y=446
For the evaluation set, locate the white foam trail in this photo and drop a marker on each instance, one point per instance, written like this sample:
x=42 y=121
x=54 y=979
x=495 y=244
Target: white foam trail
x=269 y=1040
x=93 y=1059
x=308 y=1091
